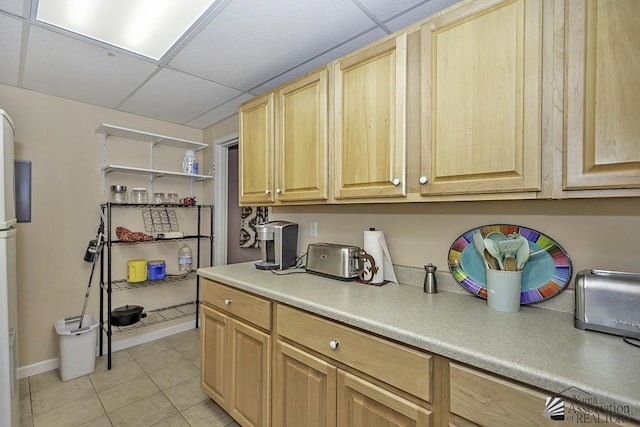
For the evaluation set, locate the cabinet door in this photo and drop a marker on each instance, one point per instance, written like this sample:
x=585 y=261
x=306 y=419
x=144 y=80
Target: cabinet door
x=304 y=389
x=602 y=96
x=214 y=357
x=250 y=395
x=301 y=139
x=370 y=122
x=362 y=404
x=255 y=158
x=481 y=99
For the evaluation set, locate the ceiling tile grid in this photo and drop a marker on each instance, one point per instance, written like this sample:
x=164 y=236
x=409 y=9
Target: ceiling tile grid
x=418 y=13
x=10 y=44
x=241 y=49
x=66 y=67
x=177 y=97
x=251 y=39
x=323 y=59
x=14 y=7
x=384 y=9
x=220 y=112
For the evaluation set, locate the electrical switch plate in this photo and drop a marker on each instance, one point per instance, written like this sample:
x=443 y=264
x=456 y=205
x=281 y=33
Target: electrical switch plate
x=313 y=229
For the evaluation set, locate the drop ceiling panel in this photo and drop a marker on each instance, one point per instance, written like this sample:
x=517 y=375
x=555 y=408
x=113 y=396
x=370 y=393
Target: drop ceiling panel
x=69 y=68
x=325 y=58
x=414 y=15
x=177 y=97
x=253 y=40
x=385 y=9
x=10 y=42
x=15 y=7
x=219 y=113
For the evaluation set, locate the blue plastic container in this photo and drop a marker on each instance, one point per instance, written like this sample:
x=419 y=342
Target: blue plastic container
x=156 y=270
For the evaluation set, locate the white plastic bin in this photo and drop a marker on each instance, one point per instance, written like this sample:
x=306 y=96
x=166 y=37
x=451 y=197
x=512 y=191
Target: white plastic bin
x=77 y=348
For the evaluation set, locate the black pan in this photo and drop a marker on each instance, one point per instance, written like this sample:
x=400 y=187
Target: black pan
x=127 y=315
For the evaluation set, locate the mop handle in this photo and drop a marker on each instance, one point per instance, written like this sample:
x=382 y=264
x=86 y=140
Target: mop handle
x=93 y=267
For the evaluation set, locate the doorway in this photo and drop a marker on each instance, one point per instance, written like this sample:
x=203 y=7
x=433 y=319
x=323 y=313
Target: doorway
x=236 y=253
x=228 y=214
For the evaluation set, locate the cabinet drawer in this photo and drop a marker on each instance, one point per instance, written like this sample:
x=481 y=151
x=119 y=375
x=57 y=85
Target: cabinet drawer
x=399 y=366
x=489 y=400
x=248 y=307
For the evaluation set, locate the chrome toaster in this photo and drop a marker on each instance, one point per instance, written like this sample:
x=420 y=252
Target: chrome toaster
x=608 y=301
x=340 y=262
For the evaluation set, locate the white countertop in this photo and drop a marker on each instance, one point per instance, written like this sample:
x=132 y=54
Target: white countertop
x=536 y=346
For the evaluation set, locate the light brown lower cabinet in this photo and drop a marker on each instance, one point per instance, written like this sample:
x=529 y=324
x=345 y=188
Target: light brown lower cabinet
x=311 y=392
x=326 y=374
x=362 y=404
x=304 y=389
x=333 y=375
x=236 y=356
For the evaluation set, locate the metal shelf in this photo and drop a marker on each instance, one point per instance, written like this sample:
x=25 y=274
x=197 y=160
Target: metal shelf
x=154 y=205
x=153 y=139
x=154 y=172
x=108 y=285
x=161 y=315
x=137 y=135
x=172 y=239
x=123 y=285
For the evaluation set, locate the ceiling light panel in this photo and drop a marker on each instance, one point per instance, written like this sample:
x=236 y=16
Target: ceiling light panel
x=146 y=27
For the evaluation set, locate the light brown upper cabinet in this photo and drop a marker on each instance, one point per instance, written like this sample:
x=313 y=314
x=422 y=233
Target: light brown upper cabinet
x=481 y=99
x=301 y=139
x=256 y=157
x=284 y=144
x=602 y=95
x=369 y=146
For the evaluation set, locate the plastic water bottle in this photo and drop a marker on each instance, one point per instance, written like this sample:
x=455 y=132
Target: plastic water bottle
x=184 y=258
x=190 y=163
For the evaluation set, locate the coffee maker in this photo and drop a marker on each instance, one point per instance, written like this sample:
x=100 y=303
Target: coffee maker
x=278 y=244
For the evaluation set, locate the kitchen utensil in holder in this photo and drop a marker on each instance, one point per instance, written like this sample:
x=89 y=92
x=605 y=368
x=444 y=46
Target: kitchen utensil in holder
x=503 y=290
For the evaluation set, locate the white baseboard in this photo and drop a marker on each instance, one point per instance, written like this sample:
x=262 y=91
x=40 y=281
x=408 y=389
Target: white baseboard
x=51 y=364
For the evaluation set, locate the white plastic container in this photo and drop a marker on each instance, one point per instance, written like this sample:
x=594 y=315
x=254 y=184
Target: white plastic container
x=190 y=163
x=77 y=349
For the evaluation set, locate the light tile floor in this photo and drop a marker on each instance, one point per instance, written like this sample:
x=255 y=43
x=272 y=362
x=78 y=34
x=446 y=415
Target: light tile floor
x=153 y=384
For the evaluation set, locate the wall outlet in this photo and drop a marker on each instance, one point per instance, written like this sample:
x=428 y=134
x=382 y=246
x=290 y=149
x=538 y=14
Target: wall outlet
x=313 y=229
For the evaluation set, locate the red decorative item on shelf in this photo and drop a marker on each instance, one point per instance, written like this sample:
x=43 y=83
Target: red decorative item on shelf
x=127 y=235
x=189 y=201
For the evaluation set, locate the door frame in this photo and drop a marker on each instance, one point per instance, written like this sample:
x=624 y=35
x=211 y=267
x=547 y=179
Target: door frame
x=221 y=194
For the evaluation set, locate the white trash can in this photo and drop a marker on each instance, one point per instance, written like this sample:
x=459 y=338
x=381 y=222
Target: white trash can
x=77 y=347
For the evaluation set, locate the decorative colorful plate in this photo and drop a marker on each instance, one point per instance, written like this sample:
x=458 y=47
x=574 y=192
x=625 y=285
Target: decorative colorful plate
x=545 y=274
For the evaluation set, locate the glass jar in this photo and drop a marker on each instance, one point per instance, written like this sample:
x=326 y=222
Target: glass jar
x=139 y=196
x=158 y=198
x=118 y=194
x=173 y=198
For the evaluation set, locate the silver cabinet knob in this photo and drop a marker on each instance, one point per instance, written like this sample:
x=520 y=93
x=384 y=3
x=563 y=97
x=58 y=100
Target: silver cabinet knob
x=334 y=344
x=278 y=191
x=396 y=182
x=423 y=180
x=227 y=301
x=267 y=191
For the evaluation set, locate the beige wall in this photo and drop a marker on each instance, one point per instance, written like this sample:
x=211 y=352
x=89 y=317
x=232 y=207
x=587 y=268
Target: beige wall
x=59 y=137
x=597 y=233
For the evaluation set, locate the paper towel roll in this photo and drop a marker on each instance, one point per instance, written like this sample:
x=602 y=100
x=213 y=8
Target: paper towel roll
x=376 y=246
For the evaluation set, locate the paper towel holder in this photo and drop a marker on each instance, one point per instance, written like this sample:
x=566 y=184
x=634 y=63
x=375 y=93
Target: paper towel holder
x=372 y=269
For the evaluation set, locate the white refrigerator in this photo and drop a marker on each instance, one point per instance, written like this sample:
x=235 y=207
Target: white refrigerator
x=9 y=393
